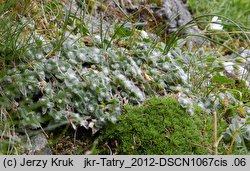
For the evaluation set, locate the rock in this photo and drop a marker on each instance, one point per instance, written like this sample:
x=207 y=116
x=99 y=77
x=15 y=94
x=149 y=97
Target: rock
x=177 y=15
x=39 y=145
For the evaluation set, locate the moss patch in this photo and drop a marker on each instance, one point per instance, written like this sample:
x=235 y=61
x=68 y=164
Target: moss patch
x=159 y=126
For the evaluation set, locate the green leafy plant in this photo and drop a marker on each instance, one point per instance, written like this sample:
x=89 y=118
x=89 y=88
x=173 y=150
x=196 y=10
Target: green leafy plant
x=238 y=135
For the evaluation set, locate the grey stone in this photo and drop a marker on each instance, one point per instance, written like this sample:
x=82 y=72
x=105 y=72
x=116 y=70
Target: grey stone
x=177 y=15
x=39 y=145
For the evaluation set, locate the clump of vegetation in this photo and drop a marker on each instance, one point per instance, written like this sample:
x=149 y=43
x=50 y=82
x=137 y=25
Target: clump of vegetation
x=237 y=10
x=60 y=67
x=159 y=126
